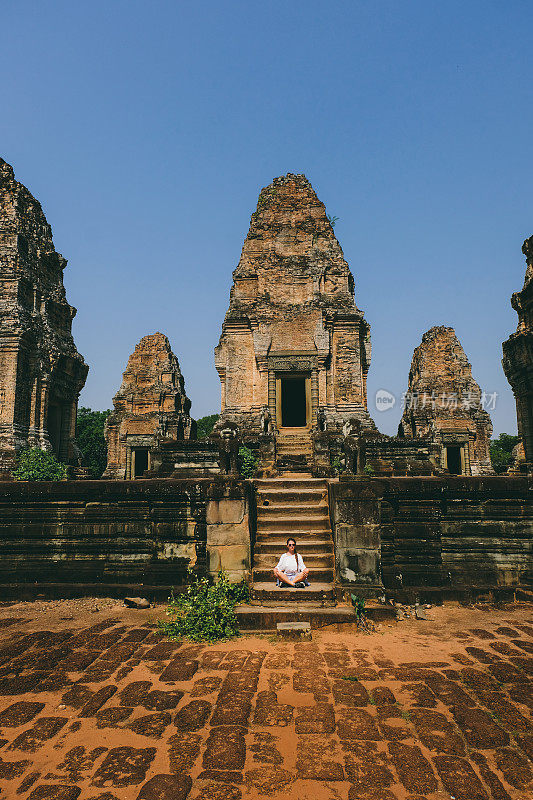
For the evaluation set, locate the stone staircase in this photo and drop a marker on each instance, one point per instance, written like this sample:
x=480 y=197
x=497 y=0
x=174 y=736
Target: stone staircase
x=294 y=450
x=293 y=505
x=296 y=505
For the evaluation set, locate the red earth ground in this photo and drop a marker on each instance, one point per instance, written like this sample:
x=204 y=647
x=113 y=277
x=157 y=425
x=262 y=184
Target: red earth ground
x=95 y=705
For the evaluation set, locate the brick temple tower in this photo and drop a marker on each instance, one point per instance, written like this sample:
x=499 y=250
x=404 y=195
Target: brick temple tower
x=518 y=357
x=41 y=372
x=149 y=408
x=444 y=403
x=295 y=349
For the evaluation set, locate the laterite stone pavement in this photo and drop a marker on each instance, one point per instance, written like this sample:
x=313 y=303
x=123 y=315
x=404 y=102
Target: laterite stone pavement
x=95 y=705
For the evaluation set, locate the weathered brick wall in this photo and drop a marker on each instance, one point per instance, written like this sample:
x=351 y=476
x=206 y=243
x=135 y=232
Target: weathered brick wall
x=107 y=537
x=453 y=534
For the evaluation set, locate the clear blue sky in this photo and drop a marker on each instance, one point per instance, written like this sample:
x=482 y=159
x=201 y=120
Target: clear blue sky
x=147 y=129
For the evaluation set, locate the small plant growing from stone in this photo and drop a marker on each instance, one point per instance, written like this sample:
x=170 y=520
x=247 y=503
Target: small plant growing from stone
x=361 y=618
x=359 y=606
x=34 y=464
x=332 y=220
x=337 y=465
x=247 y=462
x=368 y=470
x=205 y=611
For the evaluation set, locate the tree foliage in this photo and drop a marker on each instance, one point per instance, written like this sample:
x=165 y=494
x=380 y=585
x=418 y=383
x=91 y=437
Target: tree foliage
x=34 y=464
x=205 y=612
x=205 y=425
x=501 y=451
x=91 y=440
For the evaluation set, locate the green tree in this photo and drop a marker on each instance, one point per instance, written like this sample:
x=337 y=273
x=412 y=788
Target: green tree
x=501 y=451
x=34 y=464
x=205 y=425
x=91 y=440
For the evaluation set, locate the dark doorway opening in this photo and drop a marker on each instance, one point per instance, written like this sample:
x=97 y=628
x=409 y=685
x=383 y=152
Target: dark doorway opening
x=141 y=462
x=293 y=403
x=453 y=456
x=54 y=426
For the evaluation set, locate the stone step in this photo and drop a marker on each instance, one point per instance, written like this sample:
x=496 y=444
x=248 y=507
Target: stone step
x=294 y=509
x=285 y=496
x=319 y=560
x=288 y=466
x=316 y=574
x=277 y=544
x=266 y=617
x=284 y=523
x=267 y=591
x=294 y=448
x=291 y=483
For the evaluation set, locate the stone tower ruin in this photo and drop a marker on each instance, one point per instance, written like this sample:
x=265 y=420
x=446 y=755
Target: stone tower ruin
x=295 y=350
x=518 y=357
x=150 y=407
x=444 y=402
x=41 y=372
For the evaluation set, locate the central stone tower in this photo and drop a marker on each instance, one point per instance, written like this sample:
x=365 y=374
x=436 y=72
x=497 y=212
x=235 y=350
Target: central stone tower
x=295 y=350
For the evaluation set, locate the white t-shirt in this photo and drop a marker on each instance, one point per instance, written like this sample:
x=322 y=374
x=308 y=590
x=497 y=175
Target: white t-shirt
x=287 y=563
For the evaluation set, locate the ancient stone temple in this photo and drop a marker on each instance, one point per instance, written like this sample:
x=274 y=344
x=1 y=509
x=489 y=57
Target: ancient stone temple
x=295 y=350
x=444 y=402
x=41 y=372
x=518 y=357
x=150 y=407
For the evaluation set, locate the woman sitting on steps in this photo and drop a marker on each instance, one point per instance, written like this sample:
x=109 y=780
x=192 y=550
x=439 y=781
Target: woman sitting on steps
x=291 y=570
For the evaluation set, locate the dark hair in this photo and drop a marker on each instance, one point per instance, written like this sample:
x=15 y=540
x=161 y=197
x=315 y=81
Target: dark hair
x=292 y=539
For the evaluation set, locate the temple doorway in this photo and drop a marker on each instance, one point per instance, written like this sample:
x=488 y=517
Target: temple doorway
x=140 y=461
x=293 y=401
x=453 y=458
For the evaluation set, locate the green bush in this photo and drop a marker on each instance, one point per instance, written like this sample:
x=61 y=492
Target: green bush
x=368 y=469
x=34 y=464
x=247 y=462
x=91 y=440
x=205 y=612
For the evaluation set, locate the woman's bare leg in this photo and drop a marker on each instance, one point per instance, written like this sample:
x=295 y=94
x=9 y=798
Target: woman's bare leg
x=282 y=577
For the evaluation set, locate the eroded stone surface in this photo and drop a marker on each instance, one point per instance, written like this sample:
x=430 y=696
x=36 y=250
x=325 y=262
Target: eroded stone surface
x=292 y=311
x=124 y=766
x=150 y=406
x=444 y=404
x=41 y=372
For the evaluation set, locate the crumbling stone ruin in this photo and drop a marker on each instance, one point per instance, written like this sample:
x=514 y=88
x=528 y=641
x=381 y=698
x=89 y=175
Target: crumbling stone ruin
x=518 y=360
x=295 y=350
x=41 y=372
x=150 y=407
x=443 y=402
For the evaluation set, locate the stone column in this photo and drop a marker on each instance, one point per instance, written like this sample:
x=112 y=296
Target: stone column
x=314 y=396
x=272 y=395
x=466 y=451
x=228 y=535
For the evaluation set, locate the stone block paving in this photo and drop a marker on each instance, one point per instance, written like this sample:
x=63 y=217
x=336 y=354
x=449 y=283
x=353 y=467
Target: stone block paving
x=101 y=708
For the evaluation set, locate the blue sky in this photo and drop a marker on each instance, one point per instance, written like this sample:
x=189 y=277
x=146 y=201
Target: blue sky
x=147 y=129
